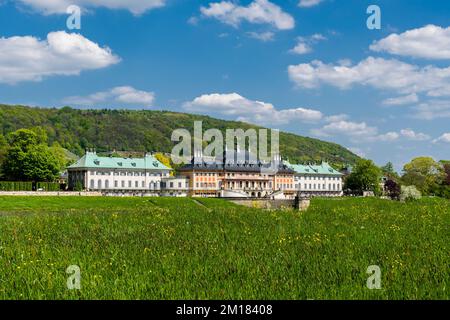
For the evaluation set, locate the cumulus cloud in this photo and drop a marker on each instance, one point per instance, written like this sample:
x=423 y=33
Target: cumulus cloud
x=304 y=44
x=309 y=3
x=30 y=59
x=375 y=72
x=429 y=42
x=412 y=135
x=432 y=109
x=257 y=12
x=346 y=128
x=250 y=111
x=124 y=94
x=399 y=101
x=262 y=36
x=136 y=7
x=362 y=132
x=445 y=138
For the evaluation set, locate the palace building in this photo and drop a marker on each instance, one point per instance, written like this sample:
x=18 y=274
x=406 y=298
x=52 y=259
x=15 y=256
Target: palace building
x=110 y=174
x=317 y=180
x=237 y=175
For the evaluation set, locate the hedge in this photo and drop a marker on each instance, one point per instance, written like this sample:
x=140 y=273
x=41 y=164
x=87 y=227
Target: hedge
x=28 y=186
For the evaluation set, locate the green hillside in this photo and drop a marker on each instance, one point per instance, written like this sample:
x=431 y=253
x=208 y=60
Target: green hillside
x=143 y=130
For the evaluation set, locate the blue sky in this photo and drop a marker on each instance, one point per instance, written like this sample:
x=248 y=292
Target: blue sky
x=306 y=66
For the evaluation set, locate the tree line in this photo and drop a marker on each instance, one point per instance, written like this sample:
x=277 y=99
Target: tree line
x=25 y=155
x=421 y=176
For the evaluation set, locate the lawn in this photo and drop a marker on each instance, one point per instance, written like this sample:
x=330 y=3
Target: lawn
x=160 y=248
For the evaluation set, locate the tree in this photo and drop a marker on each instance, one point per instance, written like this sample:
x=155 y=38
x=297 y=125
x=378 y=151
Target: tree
x=165 y=160
x=447 y=172
x=410 y=193
x=393 y=189
x=365 y=177
x=424 y=173
x=389 y=172
x=3 y=150
x=29 y=160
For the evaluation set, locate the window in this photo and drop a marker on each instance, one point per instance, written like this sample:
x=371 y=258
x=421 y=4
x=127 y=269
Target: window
x=123 y=184
x=92 y=184
x=143 y=184
x=129 y=184
x=171 y=185
x=179 y=185
x=116 y=184
x=136 y=184
x=99 y=186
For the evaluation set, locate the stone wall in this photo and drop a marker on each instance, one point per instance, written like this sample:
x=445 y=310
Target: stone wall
x=302 y=204
x=50 y=194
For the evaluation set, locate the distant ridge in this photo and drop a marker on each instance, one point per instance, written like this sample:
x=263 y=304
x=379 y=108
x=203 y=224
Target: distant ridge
x=130 y=130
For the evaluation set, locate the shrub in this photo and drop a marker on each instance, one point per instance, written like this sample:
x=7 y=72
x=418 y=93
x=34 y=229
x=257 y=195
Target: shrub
x=410 y=193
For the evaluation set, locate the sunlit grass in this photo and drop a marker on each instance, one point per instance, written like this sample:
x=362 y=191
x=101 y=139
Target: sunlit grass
x=156 y=248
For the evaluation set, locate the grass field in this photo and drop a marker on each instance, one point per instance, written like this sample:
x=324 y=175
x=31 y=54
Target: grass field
x=157 y=248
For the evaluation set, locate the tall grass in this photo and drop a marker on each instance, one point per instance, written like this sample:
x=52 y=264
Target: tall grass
x=139 y=248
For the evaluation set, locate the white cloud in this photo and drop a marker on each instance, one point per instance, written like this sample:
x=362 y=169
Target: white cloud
x=445 y=138
x=346 y=128
x=399 y=101
x=262 y=36
x=124 y=94
x=412 y=135
x=136 y=7
x=31 y=59
x=433 y=109
x=430 y=42
x=250 y=111
x=257 y=12
x=301 y=48
x=309 y=3
x=304 y=44
x=361 y=132
x=375 y=72
x=337 y=118
x=390 y=136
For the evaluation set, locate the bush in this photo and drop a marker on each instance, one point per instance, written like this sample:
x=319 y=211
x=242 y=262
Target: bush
x=392 y=189
x=48 y=186
x=16 y=186
x=410 y=193
x=78 y=186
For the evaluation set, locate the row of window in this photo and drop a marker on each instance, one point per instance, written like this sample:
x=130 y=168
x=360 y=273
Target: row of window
x=284 y=186
x=331 y=187
x=123 y=184
x=128 y=174
x=172 y=185
x=319 y=178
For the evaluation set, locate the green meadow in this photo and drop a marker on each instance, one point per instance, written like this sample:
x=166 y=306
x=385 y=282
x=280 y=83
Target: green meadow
x=158 y=248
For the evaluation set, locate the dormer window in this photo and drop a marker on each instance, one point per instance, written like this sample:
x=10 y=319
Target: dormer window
x=97 y=162
x=120 y=164
x=133 y=164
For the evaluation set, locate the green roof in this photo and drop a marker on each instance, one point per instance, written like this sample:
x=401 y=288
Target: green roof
x=322 y=169
x=92 y=160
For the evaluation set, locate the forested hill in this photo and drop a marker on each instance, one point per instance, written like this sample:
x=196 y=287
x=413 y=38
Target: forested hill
x=108 y=130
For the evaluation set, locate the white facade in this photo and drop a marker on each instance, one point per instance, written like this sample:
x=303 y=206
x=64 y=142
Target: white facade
x=125 y=180
x=320 y=185
x=175 y=187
